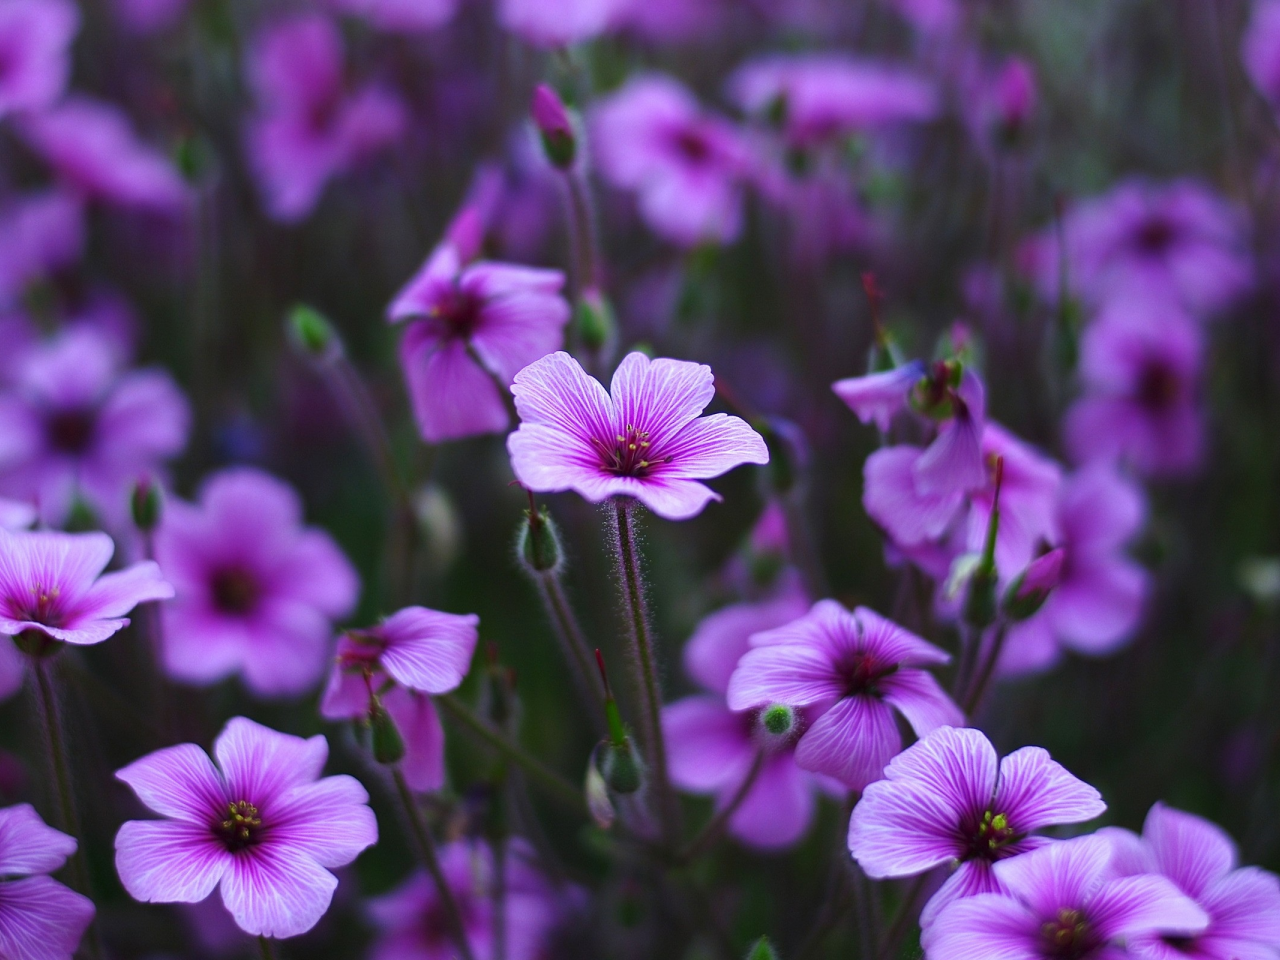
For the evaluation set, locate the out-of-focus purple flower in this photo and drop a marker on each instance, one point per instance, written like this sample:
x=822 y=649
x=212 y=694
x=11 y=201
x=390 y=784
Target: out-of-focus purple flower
x=473 y=326
x=1098 y=601
x=853 y=670
x=949 y=800
x=40 y=233
x=671 y=21
x=643 y=439
x=879 y=396
x=557 y=23
x=999 y=103
x=74 y=425
x=263 y=825
x=401 y=16
x=308 y=128
x=93 y=147
x=1140 y=363
x=35 y=48
x=1243 y=903
x=820 y=96
x=149 y=16
x=256 y=590
x=422 y=652
x=40 y=919
x=1260 y=49
x=1062 y=901
x=935 y=17
x=413 y=923
x=685 y=165
x=16 y=515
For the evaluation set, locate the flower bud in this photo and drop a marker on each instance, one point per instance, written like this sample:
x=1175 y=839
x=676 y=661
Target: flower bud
x=441 y=527
x=1028 y=592
x=621 y=767
x=388 y=745
x=778 y=719
x=146 y=503
x=597 y=792
x=538 y=542
x=554 y=126
x=594 y=321
x=762 y=949
x=313 y=333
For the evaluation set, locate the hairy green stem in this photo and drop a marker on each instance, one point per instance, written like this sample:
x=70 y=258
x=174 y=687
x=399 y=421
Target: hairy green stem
x=569 y=632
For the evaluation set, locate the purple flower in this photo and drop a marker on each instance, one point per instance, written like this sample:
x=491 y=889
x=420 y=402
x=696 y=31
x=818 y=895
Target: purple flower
x=686 y=167
x=92 y=146
x=1063 y=902
x=1243 y=903
x=308 y=128
x=35 y=47
x=256 y=590
x=999 y=103
x=40 y=233
x=880 y=396
x=1260 y=49
x=475 y=325
x=1098 y=601
x=40 y=919
x=263 y=824
x=415 y=651
x=414 y=925
x=401 y=16
x=1141 y=365
x=75 y=425
x=948 y=800
x=557 y=23
x=853 y=670
x=643 y=439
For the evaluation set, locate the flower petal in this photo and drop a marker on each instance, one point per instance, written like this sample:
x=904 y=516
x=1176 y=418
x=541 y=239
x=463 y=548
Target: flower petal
x=1036 y=791
x=40 y=919
x=556 y=391
x=115 y=594
x=1131 y=906
x=778 y=808
x=1061 y=875
x=170 y=861
x=710 y=446
x=329 y=821
x=918 y=697
x=659 y=396
x=890 y=497
x=260 y=764
x=453 y=397
x=851 y=742
x=1189 y=850
x=428 y=650
x=970 y=879
x=178 y=782
x=277 y=891
x=419 y=723
x=708 y=745
x=792 y=673
x=985 y=927
x=28 y=846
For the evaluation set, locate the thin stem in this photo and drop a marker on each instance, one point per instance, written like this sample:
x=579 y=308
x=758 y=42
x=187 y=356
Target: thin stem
x=583 y=238
x=264 y=946
x=427 y=851
x=715 y=827
x=577 y=651
x=968 y=651
x=979 y=687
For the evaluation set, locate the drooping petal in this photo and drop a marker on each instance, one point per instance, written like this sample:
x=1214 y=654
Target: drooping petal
x=890 y=497
x=1036 y=791
x=1130 y=906
x=277 y=891
x=985 y=927
x=852 y=742
x=170 y=861
x=419 y=724
x=428 y=650
x=918 y=697
x=1189 y=850
x=178 y=782
x=707 y=744
x=453 y=396
x=261 y=764
x=659 y=396
x=878 y=396
x=329 y=820
x=28 y=846
x=346 y=696
x=40 y=919
x=953 y=462
x=710 y=446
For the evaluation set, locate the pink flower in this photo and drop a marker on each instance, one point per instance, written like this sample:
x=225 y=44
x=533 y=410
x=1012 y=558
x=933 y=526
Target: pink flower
x=40 y=233
x=263 y=825
x=256 y=590
x=853 y=669
x=401 y=16
x=40 y=919
x=473 y=326
x=643 y=439
x=879 y=397
x=415 y=652
x=686 y=167
x=35 y=48
x=557 y=23
x=308 y=128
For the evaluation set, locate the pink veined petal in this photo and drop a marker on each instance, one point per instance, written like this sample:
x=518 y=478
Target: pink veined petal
x=68 y=562
x=890 y=498
x=659 y=396
x=556 y=391
x=956 y=765
x=708 y=745
x=84 y=635
x=115 y=594
x=288 y=648
x=1060 y=875
x=790 y=673
x=452 y=396
x=178 y=782
x=778 y=808
x=329 y=821
x=1245 y=906
x=891 y=643
x=170 y=861
x=852 y=742
x=260 y=764
x=985 y=927
x=40 y=919
x=671 y=498
x=1130 y=854
x=902 y=828
x=428 y=650
x=710 y=446
x=28 y=846
x=546 y=459
x=918 y=697
x=971 y=878
x=1036 y=791
x=1131 y=906
x=1189 y=850
x=419 y=724
x=277 y=891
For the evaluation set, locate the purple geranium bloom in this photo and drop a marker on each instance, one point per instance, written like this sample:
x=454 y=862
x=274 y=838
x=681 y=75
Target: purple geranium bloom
x=75 y=425
x=92 y=146
x=1260 y=49
x=264 y=824
x=401 y=16
x=1097 y=603
x=1243 y=903
x=686 y=166
x=557 y=23
x=852 y=670
x=414 y=652
x=1064 y=903
x=1141 y=369
x=40 y=233
x=35 y=48
x=414 y=925
x=473 y=326
x=308 y=128
x=643 y=439
x=256 y=590
x=880 y=396
x=948 y=800
x=40 y=919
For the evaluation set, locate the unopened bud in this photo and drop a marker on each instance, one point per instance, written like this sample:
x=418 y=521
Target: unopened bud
x=538 y=545
x=554 y=126
x=597 y=792
x=762 y=949
x=312 y=332
x=778 y=719
x=621 y=767
x=594 y=321
x=388 y=745
x=146 y=503
x=1028 y=592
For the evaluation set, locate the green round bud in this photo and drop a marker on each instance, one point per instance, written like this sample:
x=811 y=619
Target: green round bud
x=778 y=719
x=312 y=331
x=538 y=543
x=622 y=768
x=388 y=745
x=146 y=503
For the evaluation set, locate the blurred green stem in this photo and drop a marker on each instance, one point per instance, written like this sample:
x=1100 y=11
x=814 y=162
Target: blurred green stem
x=715 y=827
x=569 y=632
x=264 y=946
x=973 y=699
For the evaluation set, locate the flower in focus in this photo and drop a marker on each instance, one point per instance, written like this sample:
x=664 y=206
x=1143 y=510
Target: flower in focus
x=686 y=166
x=263 y=825
x=1243 y=903
x=948 y=800
x=414 y=652
x=75 y=425
x=40 y=919
x=401 y=16
x=256 y=590
x=642 y=439
x=1063 y=902
x=35 y=48
x=307 y=128
x=853 y=670
x=473 y=325
x=557 y=23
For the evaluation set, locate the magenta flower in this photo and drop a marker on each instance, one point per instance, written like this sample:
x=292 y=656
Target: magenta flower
x=1260 y=49
x=853 y=670
x=263 y=825
x=1141 y=369
x=256 y=590
x=401 y=16
x=414 y=652
x=40 y=919
x=1063 y=902
x=40 y=233
x=473 y=327
x=947 y=800
x=1243 y=903
x=686 y=167
x=643 y=439
x=879 y=397
x=35 y=47
x=76 y=425
x=557 y=23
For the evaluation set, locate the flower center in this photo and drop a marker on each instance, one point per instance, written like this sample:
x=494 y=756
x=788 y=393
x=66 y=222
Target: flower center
x=692 y=146
x=71 y=430
x=241 y=827
x=1158 y=386
x=630 y=456
x=1067 y=936
x=861 y=673
x=993 y=834
x=1156 y=236
x=44 y=606
x=235 y=591
x=459 y=311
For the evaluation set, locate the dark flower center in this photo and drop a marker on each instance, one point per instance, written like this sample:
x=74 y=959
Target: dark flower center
x=1156 y=236
x=861 y=672
x=235 y=590
x=71 y=430
x=44 y=606
x=988 y=840
x=630 y=455
x=242 y=827
x=692 y=146
x=1158 y=386
x=437 y=928
x=459 y=311
x=1067 y=936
